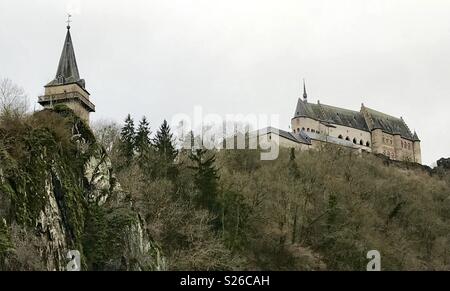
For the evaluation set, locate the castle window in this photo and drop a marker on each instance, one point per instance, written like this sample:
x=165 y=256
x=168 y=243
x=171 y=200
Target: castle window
x=347 y=138
x=409 y=146
x=303 y=128
x=340 y=136
x=354 y=140
x=367 y=144
x=361 y=142
x=313 y=131
x=307 y=129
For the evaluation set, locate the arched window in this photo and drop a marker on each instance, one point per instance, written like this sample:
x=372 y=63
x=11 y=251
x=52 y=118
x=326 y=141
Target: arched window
x=313 y=130
x=347 y=138
x=354 y=140
x=303 y=128
x=361 y=142
x=367 y=144
x=340 y=136
x=307 y=129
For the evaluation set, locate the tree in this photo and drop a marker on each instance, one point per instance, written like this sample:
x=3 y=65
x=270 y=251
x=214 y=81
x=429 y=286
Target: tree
x=205 y=179
x=163 y=143
x=142 y=140
x=293 y=168
x=107 y=134
x=127 y=138
x=13 y=99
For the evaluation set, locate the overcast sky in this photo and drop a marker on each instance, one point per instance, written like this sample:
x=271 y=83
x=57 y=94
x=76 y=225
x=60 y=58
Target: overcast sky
x=162 y=57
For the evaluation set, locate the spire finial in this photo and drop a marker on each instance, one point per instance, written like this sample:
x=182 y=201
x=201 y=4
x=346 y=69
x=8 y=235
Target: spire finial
x=305 y=95
x=68 y=20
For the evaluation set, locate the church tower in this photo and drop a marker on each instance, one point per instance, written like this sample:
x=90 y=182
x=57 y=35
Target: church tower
x=68 y=88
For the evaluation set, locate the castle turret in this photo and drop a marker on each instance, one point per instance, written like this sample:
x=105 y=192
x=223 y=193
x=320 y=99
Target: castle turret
x=67 y=87
x=416 y=149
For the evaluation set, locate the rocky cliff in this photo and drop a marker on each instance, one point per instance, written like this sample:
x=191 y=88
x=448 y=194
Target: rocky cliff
x=58 y=193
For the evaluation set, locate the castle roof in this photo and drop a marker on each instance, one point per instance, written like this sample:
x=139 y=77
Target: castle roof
x=390 y=124
x=67 y=72
x=296 y=137
x=354 y=119
x=331 y=114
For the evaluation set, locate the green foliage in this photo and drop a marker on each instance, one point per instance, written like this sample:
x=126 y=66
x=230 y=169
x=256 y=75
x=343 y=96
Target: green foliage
x=205 y=179
x=163 y=142
x=43 y=158
x=142 y=141
x=127 y=139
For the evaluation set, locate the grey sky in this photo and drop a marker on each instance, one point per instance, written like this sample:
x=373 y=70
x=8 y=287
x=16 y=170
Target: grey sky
x=161 y=57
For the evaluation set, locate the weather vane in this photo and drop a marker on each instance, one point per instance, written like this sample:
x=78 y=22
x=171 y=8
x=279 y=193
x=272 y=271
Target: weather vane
x=68 y=20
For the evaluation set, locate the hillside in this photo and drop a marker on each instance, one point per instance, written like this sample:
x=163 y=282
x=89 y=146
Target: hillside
x=58 y=193
x=123 y=200
x=311 y=210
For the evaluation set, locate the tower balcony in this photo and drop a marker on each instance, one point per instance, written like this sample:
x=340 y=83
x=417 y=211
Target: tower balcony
x=49 y=100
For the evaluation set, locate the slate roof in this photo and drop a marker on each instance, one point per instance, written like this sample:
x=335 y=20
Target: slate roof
x=67 y=72
x=296 y=137
x=390 y=124
x=354 y=119
x=331 y=114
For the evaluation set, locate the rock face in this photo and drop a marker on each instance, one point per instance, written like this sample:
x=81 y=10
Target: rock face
x=69 y=199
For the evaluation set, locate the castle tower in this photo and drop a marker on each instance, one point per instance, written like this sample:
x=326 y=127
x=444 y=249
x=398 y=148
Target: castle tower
x=68 y=88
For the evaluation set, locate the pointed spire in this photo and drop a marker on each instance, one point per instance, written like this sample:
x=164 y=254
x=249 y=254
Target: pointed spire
x=305 y=95
x=67 y=71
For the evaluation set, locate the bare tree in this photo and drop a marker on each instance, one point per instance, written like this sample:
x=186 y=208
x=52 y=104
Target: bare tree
x=13 y=99
x=107 y=133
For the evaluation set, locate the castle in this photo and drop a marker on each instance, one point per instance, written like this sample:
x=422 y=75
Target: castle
x=67 y=87
x=365 y=130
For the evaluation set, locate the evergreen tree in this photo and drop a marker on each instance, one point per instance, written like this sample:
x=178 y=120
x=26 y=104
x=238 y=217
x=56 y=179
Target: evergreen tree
x=292 y=165
x=163 y=143
x=205 y=179
x=142 y=141
x=127 y=139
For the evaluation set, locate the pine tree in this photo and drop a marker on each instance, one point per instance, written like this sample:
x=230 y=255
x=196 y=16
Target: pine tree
x=127 y=139
x=142 y=141
x=292 y=165
x=206 y=179
x=163 y=143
